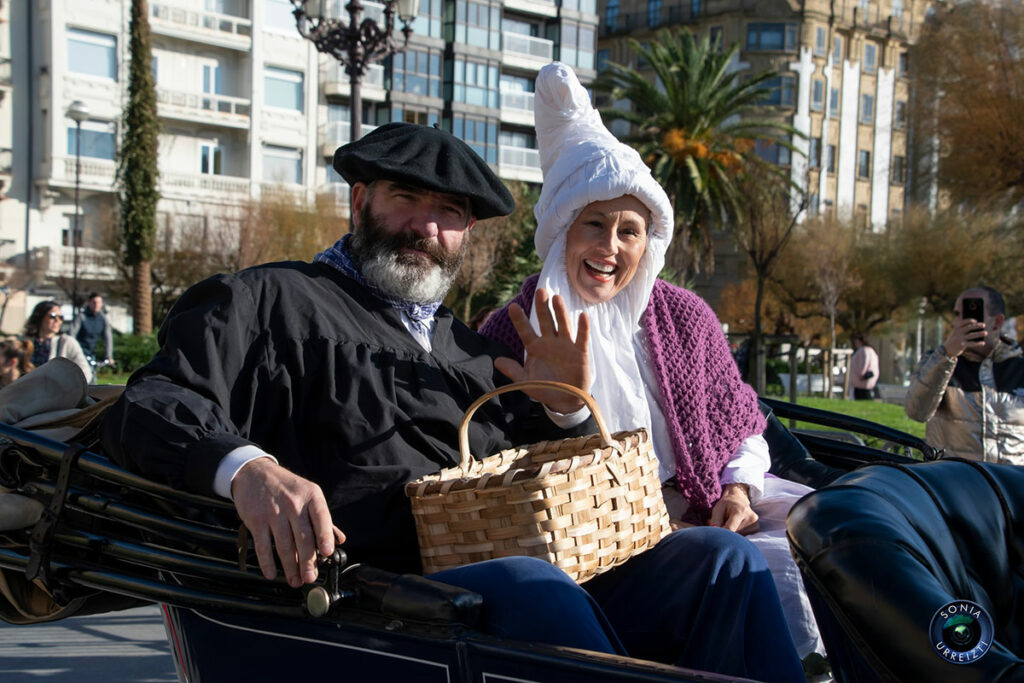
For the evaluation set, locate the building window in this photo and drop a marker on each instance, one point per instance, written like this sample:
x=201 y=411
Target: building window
x=814 y=153
x=863 y=6
x=577 y=45
x=899 y=170
x=421 y=116
x=476 y=83
x=833 y=103
x=781 y=95
x=903 y=64
x=611 y=15
x=603 y=57
x=870 y=58
x=897 y=8
x=585 y=6
x=900 y=115
x=696 y=6
x=867 y=109
x=65 y=234
x=417 y=72
x=480 y=134
x=830 y=158
x=772 y=152
x=427 y=22
x=478 y=24
x=820 y=36
x=774 y=36
x=864 y=164
x=653 y=13
x=278 y=17
x=92 y=54
x=282 y=165
x=209 y=158
x=812 y=205
x=99 y=140
x=837 y=49
x=818 y=94
x=282 y=88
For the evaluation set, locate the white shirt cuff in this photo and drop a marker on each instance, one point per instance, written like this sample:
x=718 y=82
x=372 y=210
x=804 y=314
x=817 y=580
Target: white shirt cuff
x=568 y=420
x=231 y=464
x=748 y=466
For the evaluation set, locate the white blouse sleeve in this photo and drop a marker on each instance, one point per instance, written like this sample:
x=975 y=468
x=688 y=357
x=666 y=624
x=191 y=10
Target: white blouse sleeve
x=749 y=465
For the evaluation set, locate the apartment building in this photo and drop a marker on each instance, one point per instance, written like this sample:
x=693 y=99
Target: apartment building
x=247 y=106
x=843 y=83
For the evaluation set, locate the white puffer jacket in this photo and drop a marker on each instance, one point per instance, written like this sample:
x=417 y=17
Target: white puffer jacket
x=974 y=410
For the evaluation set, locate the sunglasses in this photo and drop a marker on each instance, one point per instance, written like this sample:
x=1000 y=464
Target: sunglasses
x=56 y=316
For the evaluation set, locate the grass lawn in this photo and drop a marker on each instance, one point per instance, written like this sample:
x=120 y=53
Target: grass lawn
x=888 y=414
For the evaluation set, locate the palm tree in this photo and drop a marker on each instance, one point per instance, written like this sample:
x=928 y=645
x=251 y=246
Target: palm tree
x=696 y=126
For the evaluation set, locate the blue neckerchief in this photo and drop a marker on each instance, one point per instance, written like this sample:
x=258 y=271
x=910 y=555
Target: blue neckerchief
x=338 y=257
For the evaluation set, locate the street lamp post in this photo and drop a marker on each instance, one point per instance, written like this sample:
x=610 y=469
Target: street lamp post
x=356 y=43
x=77 y=112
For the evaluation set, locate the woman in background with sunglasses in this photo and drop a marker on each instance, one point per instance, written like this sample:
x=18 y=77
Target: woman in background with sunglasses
x=43 y=329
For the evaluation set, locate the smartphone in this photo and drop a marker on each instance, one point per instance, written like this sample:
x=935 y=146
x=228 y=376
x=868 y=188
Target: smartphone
x=974 y=307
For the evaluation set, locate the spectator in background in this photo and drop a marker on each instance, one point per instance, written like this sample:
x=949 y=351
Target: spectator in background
x=90 y=325
x=43 y=329
x=970 y=390
x=15 y=359
x=863 y=369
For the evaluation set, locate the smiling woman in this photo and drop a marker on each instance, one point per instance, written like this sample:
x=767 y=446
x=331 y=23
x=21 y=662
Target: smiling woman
x=604 y=247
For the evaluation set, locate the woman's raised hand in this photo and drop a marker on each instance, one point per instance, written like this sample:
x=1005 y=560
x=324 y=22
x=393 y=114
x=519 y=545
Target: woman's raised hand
x=553 y=354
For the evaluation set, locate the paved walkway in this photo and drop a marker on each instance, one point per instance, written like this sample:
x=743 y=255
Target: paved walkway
x=106 y=648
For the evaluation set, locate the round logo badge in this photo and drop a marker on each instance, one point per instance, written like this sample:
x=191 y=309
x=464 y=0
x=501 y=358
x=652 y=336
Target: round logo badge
x=961 y=632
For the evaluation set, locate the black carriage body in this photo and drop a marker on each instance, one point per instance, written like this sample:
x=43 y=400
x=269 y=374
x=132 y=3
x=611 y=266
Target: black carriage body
x=110 y=539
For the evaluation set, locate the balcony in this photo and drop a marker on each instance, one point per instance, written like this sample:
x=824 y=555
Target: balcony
x=219 y=110
x=208 y=28
x=544 y=8
x=97 y=174
x=526 y=52
x=517 y=108
x=519 y=163
x=334 y=134
x=335 y=81
x=191 y=185
x=59 y=262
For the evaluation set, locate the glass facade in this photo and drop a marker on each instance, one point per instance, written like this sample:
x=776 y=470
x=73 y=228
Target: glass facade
x=771 y=37
x=480 y=133
x=476 y=82
x=282 y=165
x=417 y=71
x=478 y=24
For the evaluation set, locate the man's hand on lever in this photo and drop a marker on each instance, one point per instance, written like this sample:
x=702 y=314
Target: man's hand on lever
x=284 y=511
x=553 y=354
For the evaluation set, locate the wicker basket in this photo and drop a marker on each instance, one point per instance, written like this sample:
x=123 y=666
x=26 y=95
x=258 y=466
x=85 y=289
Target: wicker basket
x=585 y=504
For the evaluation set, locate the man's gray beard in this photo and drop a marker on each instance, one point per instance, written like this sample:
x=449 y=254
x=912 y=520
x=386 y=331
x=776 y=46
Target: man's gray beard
x=403 y=276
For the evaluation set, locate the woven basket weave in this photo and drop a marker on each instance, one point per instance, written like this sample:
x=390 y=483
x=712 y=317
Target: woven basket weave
x=585 y=504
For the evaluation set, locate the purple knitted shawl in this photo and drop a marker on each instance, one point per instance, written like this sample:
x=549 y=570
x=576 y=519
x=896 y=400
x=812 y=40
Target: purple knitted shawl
x=709 y=409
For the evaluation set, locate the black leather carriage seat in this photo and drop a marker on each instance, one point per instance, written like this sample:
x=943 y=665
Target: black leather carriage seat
x=790 y=459
x=885 y=547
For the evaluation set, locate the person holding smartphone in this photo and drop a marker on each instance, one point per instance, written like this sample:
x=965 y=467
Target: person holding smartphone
x=970 y=390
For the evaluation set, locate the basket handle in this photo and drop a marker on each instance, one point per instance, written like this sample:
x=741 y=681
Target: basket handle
x=466 y=456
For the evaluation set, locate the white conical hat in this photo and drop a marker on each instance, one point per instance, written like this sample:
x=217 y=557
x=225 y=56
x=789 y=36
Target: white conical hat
x=584 y=163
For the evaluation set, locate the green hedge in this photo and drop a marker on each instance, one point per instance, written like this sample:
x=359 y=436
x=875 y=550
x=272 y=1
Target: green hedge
x=131 y=352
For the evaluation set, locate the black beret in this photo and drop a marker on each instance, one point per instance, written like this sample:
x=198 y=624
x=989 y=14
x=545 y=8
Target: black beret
x=425 y=157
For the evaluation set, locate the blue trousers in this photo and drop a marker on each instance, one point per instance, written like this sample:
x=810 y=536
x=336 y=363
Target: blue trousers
x=702 y=598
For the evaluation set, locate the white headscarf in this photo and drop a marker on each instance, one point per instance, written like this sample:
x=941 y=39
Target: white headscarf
x=584 y=163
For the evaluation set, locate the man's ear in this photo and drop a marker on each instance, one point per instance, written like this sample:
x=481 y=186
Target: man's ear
x=359 y=196
x=999 y=320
